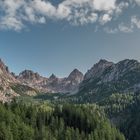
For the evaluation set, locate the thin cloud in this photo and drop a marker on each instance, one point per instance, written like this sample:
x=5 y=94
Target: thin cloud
x=15 y=14
x=135 y=21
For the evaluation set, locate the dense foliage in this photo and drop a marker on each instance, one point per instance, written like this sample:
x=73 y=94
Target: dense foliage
x=20 y=121
x=121 y=108
x=124 y=111
x=131 y=127
x=118 y=103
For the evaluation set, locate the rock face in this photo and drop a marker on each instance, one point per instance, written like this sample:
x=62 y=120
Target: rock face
x=30 y=78
x=105 y=78
x=52 y=84
x=75 y=76
x=6 y=79
x=73 y=80
x=10 y=86
x=97 y=69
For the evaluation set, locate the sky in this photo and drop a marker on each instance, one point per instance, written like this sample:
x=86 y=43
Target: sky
x=59 y=36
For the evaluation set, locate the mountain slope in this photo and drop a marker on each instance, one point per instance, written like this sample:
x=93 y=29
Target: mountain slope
x=10 y=86
x=6 y=79
x=105 y=78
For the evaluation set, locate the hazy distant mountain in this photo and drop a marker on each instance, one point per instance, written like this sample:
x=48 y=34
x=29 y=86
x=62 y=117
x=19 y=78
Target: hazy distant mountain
x=53 y=84
x=30 y=78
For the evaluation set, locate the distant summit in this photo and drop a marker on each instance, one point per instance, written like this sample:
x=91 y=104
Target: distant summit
x=53 y=84
x=52 y=77
x=29 y=75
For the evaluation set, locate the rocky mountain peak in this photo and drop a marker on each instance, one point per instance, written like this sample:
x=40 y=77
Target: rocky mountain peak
x=29 y=75
x=97 y=69
x=103 y=61
x=6 y=80
x=5 y=75
x=76 y=75
x=76 y=71
x=128 y=62
x=52 y=77
x=3 y=67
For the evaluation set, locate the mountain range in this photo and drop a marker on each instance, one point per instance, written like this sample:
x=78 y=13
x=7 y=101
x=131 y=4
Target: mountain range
x=103 y=79
x=31 y=83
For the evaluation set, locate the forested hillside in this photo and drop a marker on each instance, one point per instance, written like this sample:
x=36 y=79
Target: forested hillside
x=20 y=121
x=122 y=109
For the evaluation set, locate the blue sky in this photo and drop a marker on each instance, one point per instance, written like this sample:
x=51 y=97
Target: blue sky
x=47 y=42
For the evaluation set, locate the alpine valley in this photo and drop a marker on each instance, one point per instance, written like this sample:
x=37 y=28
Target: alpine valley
x=102 y=104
